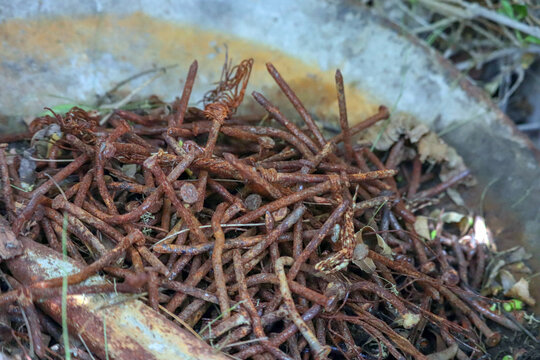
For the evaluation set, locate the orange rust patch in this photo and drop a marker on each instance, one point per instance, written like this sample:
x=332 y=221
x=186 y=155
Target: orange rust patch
x=142 y=40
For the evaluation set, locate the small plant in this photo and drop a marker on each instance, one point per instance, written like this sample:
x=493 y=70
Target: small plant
x=146 y=217
x=512 y=305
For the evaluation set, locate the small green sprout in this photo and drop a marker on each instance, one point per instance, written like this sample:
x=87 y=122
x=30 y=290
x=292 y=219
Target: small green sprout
x=518 y=304
x=145 y=218
x=508 y=357
x=433 y=234
x=512 y=305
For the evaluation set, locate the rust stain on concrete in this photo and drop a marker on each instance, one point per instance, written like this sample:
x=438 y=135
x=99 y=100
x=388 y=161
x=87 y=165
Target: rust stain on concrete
x=141 y=40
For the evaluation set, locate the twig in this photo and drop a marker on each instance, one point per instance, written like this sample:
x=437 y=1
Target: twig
x=127 y=99
x=465 y=10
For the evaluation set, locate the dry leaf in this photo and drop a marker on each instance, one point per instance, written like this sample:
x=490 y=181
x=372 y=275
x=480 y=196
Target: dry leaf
x=463 y=221
x=431 y=148
x=366 y=265
x=465 y=225
x=507 y=280
x=518 y=254
x=481 y=233
x=367 y=239
x=400 y=124
x=361 y=251
x=452 y=217
x=361 y=260
x=493 y=270
x=519 y=268
x=520 y=291
x=360 y=254
x=409 y=320
x=421 y=227
x=129 y=170
x=374 y=241
x=455 y=196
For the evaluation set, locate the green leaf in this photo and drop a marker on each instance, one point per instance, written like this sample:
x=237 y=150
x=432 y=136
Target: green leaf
x=519 y=36
x=513 y=11
x=520 y=11
x=434 y=35
x=507 y=9
x=64 y=108
x=508 y=357
x=433 y=234
x=532 y=39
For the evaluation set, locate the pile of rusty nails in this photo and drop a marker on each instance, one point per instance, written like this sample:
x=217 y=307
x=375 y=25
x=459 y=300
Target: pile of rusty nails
x=255 y=235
